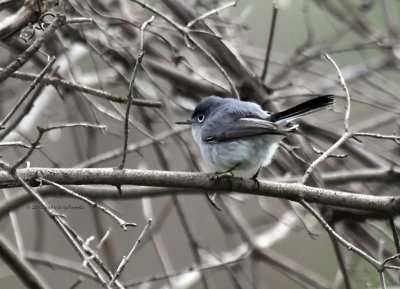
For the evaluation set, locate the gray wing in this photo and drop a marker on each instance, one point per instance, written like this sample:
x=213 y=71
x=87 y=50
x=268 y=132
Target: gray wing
x=243 y=128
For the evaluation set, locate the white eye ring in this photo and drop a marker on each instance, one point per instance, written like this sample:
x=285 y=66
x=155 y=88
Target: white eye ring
x=200 y=118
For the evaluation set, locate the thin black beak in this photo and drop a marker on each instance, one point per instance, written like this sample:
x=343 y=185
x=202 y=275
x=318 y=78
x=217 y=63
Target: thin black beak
x=189 y=121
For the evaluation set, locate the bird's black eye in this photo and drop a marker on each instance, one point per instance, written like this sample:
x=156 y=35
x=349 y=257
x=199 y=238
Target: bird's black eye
x=200 y=117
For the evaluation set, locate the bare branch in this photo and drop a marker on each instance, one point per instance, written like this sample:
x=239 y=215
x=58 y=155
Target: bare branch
x=15 y=143
x=41 y=131
x=125 y=259
x=131 y=148
x=120 y=221
x=198 y=268
x=28 y=276
x=131 y=87
x=58 y=21
x=211 y=12
x=270 y=40
x=325 y=155
x=27 y=93
x=346 y=90
x=172 y=179
x=344 y=242
x=57 y=82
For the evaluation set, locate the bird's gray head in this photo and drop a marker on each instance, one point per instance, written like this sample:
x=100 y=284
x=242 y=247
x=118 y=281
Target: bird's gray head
x=204 y=110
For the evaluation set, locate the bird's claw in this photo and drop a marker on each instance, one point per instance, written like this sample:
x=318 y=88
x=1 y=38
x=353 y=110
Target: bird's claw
x=220 y=175
x=254 y=178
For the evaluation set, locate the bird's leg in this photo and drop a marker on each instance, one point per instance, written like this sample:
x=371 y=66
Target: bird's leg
x=227 y=173
x=254 y=178
x=219 y=175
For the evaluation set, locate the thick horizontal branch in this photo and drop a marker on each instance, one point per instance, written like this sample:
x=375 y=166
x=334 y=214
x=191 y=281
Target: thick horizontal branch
x=206 y=182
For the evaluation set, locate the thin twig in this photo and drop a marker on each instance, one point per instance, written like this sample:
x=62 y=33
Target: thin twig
x=79 y=20
x=125 y=259
x=131 y=87
x=93 y=257
x=320 y=152
x=56 y=217
x=41 y=131
x=393 y=137
x=389 y=259
x=46 y=259
x=76 y=283
x=16 y=227
x=189 y=40
x=270 y=40
x=211 y=12
x=341 y=262
x=58 y=21
x=133 y=147
x=234 y=91
x=120 y=221
x=324 y=156
x=347 y=135
x=28 y=92
x=202 y=267
x=346 y=90
x=101 y=242
x=15 y=143
x=395 y=234
x=57 y=82
x=382 y=280
x=72 y=125
x=375 y=263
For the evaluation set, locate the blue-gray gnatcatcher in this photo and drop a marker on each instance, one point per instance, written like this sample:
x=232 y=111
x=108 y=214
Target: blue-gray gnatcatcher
x=239 y=135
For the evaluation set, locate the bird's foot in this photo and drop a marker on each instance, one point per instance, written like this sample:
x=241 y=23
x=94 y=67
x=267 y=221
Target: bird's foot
x=220 y=175
x=254 y=178
x=225 y=174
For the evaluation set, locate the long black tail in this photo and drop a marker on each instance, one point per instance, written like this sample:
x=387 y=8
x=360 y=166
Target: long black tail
x=304 y=108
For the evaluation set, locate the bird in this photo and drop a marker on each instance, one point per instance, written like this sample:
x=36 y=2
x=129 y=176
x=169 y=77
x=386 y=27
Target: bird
x=236 y=135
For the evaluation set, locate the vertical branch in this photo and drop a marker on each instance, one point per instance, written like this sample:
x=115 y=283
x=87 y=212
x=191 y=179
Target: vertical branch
x=130 y=93
x=157 y=241
x=342 y=265
x=193 y=240
x=395 y=235
x=270 y=40
x=346 y=90
x=382 y=280
x=16 y=227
